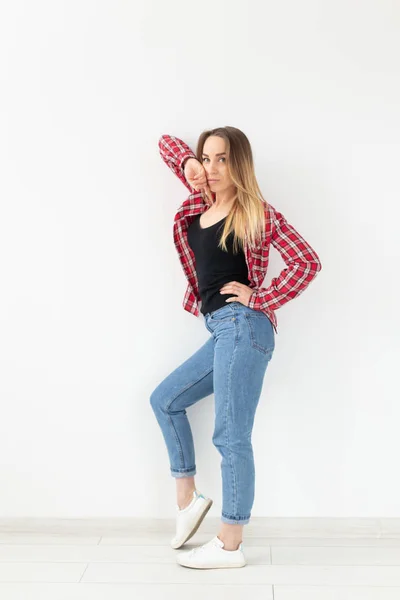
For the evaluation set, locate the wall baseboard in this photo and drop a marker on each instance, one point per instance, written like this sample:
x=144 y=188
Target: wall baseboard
x=273 y=527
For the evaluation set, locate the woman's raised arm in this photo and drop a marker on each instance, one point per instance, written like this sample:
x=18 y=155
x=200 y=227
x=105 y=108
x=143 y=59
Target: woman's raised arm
x=174 y=153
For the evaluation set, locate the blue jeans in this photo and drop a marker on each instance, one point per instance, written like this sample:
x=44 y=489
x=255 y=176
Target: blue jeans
x=231 y=364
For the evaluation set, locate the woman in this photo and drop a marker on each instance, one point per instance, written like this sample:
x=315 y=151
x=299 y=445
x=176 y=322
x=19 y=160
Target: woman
x=222 y=233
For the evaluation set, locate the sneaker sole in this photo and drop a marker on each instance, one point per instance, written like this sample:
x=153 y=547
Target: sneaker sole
x=197 y=525
x=213 y=566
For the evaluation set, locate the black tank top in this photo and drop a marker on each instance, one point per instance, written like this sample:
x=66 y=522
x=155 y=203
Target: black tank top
x=214 y=266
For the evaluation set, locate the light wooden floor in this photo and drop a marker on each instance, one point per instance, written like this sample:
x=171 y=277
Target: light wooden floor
x=121 y=566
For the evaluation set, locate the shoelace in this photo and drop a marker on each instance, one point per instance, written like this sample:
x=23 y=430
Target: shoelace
x=200 y=549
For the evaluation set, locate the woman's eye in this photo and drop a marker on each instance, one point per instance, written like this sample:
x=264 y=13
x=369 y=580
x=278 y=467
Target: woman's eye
x=222 y=158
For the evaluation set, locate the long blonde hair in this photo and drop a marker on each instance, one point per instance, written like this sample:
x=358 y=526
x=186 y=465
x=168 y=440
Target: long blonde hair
x=246 y=219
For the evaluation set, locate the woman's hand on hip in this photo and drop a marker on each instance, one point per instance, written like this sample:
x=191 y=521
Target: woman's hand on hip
x=242 y=292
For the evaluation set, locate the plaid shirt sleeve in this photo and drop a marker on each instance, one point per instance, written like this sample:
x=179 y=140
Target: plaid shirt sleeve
x=174 y=152
x=302 y=263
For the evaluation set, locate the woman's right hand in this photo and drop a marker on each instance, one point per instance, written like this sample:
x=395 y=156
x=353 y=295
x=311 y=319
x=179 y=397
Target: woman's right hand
x=195 y=175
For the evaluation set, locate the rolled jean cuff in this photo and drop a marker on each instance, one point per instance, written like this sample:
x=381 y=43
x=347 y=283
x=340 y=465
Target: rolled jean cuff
x=234 y=521
x=184 y=472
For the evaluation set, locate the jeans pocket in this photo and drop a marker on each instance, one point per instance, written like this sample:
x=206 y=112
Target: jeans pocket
x=261 y=331
x=225 y=313
x=207 y=326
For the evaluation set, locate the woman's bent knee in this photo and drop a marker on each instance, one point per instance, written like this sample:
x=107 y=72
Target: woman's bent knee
x=156 y=399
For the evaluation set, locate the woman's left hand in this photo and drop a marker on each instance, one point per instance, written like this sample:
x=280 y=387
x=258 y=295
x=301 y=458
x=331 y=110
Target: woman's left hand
x=242 y=292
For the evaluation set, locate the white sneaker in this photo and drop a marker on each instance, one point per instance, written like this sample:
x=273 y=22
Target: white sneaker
x=212 y=556
x=189 y=518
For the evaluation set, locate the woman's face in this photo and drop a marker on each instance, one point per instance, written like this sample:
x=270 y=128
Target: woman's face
x=214 y=161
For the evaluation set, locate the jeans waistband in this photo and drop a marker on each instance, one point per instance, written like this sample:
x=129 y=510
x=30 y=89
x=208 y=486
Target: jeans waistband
x=233 y=306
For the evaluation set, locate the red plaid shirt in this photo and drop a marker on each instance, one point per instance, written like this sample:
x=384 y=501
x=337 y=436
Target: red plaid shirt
x=302 y=261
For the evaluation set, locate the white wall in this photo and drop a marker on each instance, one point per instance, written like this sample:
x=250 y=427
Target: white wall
x=91 y=313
